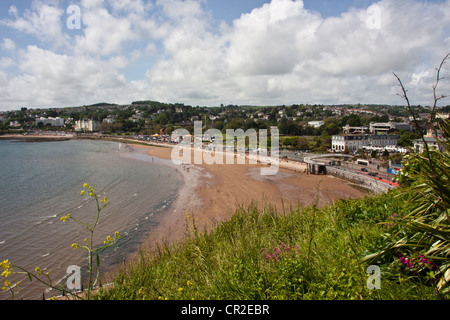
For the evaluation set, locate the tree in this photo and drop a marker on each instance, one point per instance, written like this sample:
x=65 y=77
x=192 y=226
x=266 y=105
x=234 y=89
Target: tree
x=302 y=143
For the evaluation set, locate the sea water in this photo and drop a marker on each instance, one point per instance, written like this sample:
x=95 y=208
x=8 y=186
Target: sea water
x=40 y=182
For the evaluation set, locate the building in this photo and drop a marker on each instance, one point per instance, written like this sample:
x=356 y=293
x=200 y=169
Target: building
x=432 y=143
x=348 y=130
x=351 y=142
x=109 y=119
x=385 y=127
x=87 y=125
x=316 y=124
x=54 y=122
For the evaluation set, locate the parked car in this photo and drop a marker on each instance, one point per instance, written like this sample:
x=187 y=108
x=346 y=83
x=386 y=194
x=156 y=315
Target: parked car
x=364 y=170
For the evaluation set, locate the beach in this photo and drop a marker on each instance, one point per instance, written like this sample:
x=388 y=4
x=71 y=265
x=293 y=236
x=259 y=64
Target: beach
x=212 y=193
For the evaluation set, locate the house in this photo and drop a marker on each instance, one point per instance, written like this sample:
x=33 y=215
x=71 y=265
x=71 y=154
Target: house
x=316 y=124
x=109 y=119
x=432 y=143
x=351 y=142
x=87 y=125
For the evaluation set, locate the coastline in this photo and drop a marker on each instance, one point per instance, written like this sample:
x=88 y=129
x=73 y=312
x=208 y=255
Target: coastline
x=211 y=194
x=37 y=138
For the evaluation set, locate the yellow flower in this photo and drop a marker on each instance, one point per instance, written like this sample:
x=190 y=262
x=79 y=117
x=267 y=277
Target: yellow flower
x=85 y=185
x=82 y=192
x=7 y=283
x=74 y=246
x=141 y=291
x=180 y=290
x=38 y=270
x=189 y=283
x=6 y=273
x=5 y=264
x=63 y=219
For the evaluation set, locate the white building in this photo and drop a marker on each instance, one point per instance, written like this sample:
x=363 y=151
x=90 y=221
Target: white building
x=347 y=129
x=54 y=122
x=432 y=143
x=386 y=126
x=354 y=142
x=316 y=124
x=87 y=125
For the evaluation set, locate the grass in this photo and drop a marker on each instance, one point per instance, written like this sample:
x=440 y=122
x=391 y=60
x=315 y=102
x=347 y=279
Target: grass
x=307 y=253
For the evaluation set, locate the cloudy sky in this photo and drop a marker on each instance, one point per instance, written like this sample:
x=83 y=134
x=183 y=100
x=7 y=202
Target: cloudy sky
x=211 y=52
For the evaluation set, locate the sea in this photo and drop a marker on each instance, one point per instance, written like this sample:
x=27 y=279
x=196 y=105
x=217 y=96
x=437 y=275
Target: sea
x=42 y=181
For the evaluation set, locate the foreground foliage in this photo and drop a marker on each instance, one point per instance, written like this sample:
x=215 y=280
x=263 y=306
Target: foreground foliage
x=308 y=253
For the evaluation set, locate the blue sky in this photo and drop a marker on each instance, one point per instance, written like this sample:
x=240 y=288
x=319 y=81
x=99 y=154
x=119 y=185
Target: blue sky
x=209 y=52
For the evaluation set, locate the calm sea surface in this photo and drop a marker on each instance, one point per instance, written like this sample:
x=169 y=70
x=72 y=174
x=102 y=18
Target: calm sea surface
x=41 y=182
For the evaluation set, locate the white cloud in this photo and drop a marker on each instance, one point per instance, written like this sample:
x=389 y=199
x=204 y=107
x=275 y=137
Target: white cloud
x=104 y=34
x=8 y=45
x=42 y=21
x=50 y=79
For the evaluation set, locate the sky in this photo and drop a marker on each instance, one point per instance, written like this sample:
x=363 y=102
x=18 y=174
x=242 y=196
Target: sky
x=212 y=52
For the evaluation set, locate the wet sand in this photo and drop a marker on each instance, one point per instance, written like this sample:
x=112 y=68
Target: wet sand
x=212 y=193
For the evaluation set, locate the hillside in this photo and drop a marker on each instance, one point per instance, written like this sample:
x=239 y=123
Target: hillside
x=307 y=253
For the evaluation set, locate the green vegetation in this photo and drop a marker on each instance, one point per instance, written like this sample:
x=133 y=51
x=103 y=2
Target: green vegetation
x=307 y=253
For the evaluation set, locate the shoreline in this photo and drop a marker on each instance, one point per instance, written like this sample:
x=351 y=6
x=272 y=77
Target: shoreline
x=211 y=194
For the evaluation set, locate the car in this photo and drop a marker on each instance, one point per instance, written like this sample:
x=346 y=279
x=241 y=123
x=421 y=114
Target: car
x=364 y=170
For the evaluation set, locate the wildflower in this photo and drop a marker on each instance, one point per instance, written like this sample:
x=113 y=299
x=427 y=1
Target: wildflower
x=82 y=192
x=189 y=283
x=63 y=219
x=105 y=200
x=75 y=246
x=85 y=185
x=7 y=285
x=180 y=290
x=141 y=291
x=6 y=273
x=38 y=270
x=5 y=264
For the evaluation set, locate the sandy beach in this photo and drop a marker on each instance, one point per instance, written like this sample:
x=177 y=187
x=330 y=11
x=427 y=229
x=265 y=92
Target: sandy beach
x=212 y=193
